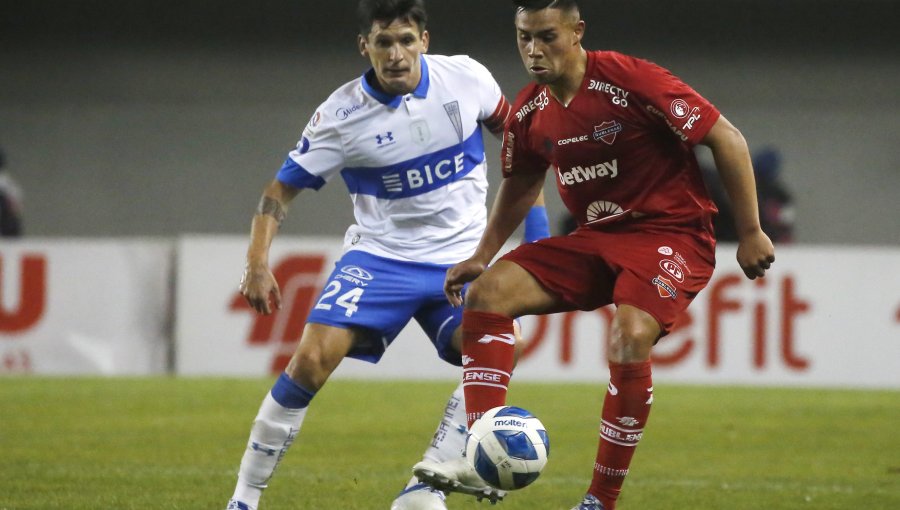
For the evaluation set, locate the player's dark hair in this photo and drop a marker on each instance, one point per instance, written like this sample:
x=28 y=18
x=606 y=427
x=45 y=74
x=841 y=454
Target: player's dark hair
x=386 y=11
x=537 y=5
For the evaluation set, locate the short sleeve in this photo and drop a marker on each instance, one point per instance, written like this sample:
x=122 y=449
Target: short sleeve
x=488 y=91
x=670 y=101
x=516 y=155
x=318 y=156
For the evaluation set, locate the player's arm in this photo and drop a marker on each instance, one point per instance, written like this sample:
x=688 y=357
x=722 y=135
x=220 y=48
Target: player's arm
x=537 y=225
x=516 y=195
x=258 y=284
x=755 y=250
x=499 y=118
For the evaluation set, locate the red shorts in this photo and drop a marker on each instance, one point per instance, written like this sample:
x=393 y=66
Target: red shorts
x=659 y=273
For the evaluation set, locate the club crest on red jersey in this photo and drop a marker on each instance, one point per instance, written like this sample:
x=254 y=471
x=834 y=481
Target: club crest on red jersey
x=606 y=132
x=665 y=287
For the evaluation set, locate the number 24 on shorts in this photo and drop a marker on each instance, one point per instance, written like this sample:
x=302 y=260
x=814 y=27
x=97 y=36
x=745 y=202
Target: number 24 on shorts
x=347 y=300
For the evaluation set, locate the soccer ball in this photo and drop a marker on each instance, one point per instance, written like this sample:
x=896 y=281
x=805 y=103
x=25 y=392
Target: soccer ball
x=508 y=447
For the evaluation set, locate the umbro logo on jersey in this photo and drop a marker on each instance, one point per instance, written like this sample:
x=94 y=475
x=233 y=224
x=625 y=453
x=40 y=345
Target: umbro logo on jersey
x=506 y=338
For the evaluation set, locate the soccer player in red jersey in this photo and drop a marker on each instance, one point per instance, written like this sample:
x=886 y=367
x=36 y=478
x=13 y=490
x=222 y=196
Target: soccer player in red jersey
x=618 y=133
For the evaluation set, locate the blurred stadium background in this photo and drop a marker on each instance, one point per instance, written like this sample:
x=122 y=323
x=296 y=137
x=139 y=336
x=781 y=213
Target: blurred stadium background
x=145 y=117
x=143 y=131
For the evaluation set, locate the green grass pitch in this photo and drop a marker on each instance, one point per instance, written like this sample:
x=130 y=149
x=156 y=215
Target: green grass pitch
x=173 y=443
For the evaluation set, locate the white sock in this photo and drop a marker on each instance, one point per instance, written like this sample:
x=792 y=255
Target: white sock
x=273 y=431
x=449 y=440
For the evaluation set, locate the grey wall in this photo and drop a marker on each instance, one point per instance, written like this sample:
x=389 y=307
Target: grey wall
x=158 y=118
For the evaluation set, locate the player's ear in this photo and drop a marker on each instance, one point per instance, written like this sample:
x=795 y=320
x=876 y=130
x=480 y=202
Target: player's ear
x=579 y=31
x=363 y=47
x=425 y=39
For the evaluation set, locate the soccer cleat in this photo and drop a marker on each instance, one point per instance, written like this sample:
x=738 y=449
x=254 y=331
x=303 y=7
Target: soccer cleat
x=234 y=504
x=456 y=475
x=590 y=502
x=420 y=497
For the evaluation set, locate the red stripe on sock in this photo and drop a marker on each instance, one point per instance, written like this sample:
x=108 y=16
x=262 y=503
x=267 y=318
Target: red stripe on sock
x=488 y=351
x=625 y=412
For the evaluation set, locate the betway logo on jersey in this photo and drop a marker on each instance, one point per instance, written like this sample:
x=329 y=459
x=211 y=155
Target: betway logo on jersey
x=538 y=103
x=579 y=174
x=415 y=178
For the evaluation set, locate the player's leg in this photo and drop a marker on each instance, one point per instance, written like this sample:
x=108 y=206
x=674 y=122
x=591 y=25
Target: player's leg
x=441 y=322
x=283 y=409
x=626 y=406
x=443 y=465
x=504 y=291
x=448 y=443
x=658 y=279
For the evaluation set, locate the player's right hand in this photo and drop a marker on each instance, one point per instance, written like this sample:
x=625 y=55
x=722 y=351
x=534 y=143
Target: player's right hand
x=257 y=284
x=458 y=276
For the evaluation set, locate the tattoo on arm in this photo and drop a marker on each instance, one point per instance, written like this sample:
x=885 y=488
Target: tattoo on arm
x=271 y=207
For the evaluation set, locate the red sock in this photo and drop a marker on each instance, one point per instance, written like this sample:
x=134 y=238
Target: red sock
x=625 y=412
x=488 y=350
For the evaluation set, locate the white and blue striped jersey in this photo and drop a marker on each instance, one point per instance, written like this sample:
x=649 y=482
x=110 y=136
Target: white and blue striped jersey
x=414 y=165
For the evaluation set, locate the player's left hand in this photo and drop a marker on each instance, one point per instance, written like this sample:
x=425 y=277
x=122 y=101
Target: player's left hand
x=458 y=276
x=755 y=254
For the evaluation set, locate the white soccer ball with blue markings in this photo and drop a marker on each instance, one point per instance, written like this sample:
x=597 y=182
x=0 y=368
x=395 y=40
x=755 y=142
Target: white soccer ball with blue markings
x=508 y=447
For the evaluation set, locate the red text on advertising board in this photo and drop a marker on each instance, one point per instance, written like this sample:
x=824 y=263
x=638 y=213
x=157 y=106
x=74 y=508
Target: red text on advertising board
x=690 y=337
x=298 y=278
x=31 y=299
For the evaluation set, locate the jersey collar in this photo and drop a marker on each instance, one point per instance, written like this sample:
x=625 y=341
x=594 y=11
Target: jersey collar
x=386 y=99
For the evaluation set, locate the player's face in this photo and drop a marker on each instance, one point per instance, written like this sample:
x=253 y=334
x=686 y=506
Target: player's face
x=549 y=42
x=394 y=51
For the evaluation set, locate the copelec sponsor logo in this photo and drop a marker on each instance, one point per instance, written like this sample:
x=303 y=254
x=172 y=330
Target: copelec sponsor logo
x=574 y=139
x=665 y=250
x=344 y=112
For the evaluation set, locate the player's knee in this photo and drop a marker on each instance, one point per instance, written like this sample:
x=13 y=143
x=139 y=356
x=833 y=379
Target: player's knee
x=632 y=339
x=483 y=295
x=309 y=369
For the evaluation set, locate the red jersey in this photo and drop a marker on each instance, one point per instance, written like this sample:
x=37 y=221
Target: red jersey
x=621 y=149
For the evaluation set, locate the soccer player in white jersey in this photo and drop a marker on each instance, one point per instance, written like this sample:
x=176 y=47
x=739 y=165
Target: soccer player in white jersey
x=406 y=139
